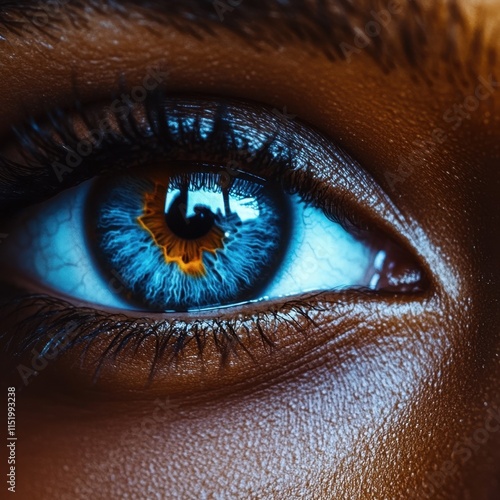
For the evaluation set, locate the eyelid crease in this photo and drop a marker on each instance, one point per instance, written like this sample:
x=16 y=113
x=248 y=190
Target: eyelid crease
x=331 y=27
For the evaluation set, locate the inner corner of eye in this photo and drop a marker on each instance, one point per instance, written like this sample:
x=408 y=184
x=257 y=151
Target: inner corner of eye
x=197 y=240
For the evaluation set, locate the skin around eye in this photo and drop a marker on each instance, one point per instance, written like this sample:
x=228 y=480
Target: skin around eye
x=142 y=238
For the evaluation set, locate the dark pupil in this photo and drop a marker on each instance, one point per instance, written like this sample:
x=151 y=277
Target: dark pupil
x=188 y=228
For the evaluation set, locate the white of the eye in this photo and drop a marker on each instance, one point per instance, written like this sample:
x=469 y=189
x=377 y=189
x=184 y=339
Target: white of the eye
x=322 y=256
x=50 y=247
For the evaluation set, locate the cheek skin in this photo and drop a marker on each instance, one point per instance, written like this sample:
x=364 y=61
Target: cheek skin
x=332 y=401
x=371 y=413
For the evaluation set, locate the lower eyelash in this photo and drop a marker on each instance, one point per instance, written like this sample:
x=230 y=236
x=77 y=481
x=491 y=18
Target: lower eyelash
x=55 y=324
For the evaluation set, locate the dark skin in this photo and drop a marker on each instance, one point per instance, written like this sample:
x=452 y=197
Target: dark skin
x=380 y=393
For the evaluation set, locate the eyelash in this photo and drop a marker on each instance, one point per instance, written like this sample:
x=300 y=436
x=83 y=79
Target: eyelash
x=54 y=321
x=39 y=148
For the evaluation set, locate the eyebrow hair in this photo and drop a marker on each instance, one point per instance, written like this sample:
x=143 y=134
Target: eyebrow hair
x=427 y=40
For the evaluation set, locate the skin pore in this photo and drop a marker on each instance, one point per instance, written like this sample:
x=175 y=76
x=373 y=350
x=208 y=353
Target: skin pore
x=383 y=396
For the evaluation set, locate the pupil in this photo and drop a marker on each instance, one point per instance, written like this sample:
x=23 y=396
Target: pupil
x=189 y=228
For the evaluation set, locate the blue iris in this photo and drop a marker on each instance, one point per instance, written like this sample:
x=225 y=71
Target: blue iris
x=188 y=242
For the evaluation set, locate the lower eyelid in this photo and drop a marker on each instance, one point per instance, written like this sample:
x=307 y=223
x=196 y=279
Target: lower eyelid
x=40 y=324
x=124 y=354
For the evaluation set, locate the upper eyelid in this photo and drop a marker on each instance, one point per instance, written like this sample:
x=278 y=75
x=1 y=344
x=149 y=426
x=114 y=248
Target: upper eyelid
x=279 y=129
x=331 y=27
x=352 y=183
x=276 y=130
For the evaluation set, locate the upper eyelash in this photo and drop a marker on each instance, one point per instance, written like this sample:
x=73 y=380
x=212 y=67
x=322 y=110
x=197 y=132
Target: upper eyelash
x=40 y=149
x=43 y=146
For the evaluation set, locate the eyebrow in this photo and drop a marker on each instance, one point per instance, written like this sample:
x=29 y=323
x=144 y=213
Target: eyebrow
x=427 y=40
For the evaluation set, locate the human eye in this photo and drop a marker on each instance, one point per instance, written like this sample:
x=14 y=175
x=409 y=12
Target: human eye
x=198 y=218
x=277 y=219
x=190 y=220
